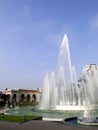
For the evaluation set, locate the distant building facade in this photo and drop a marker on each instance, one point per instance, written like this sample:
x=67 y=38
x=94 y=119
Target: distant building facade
x=1 y=93
x=23 y=95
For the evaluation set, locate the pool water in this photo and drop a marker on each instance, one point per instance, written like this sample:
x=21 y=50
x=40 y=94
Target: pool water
x=48 y=113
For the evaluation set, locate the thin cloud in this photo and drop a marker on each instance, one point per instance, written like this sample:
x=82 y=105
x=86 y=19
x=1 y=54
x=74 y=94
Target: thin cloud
x=47 y=31
x=94 y=22
x=3 y=53
x=42 y=64
x=53 y=38
x=16 y=28
x=43 y=26
x=26 y=10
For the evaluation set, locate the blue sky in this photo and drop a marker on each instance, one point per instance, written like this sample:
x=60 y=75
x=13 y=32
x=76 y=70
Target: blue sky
x=31 y=32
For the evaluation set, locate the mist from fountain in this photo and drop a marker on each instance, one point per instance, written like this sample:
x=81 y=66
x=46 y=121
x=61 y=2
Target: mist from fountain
x=62 y=88
x=90 y=83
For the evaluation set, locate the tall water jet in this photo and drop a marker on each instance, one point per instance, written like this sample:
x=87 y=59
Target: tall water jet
x=53 y=94
x=76 y=89
x=59 y=86
x=64 y=64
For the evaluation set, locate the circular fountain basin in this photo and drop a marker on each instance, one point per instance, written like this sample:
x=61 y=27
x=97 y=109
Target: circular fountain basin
x=76 y=107
x=90 y=123
x=79 y=122
x=89 y=118
x=53 y=115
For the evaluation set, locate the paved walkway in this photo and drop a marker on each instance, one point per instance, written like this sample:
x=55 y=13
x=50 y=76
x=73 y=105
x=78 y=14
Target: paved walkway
x=40 y=125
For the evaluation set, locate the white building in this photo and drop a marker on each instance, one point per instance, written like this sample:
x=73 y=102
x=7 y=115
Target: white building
x=23 y=95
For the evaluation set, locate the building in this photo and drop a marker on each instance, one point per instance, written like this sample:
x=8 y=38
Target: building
x=1 y=93
x=23 y=95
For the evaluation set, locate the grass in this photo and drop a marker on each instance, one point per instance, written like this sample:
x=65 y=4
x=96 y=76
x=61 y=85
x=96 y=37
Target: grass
x=19 y=119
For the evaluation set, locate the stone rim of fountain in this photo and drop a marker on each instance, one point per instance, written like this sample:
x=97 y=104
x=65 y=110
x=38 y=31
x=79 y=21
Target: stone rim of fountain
x=87 y=123
x=78 y=123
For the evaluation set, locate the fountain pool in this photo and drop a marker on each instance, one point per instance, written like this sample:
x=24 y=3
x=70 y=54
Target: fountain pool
x=63 y=91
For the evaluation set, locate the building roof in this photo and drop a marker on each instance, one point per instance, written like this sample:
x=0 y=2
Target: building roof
x=27 y=90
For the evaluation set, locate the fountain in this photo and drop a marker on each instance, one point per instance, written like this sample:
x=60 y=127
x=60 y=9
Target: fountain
x=62 y=91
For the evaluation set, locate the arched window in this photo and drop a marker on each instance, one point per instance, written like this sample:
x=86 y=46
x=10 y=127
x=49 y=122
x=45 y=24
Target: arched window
x=8 y=97
x=14 y=98
x=34 y=97
x=28 y=97
x=22 y=97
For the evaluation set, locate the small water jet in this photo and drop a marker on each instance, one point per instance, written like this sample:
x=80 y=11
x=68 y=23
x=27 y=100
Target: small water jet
x=89 y=118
